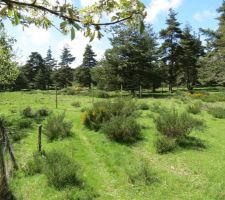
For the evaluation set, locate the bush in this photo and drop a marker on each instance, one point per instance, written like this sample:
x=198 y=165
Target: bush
x=195 y=108
x=102 y=112
x=141 y=173
x=43 y=112
x=170 y=123
x=61 y=172
x=57 y=127
x=76 y=104
x=122 y=129
x=69 y=91
x=36 y=165
x=27 y=112
x=217 y=112
x=101 y=94
x=23 y=123
x=165 y=145
x=144 y=106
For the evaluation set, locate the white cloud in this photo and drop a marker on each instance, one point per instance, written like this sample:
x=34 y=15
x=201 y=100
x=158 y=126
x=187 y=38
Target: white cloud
x=205 y=14
x=35 y=35
x=158 y=6
x=78 y=45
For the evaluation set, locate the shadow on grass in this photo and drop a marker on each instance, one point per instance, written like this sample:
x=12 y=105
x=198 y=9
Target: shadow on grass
x=191 y=142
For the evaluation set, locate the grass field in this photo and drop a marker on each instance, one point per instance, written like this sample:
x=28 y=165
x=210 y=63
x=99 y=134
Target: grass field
x=187 y=173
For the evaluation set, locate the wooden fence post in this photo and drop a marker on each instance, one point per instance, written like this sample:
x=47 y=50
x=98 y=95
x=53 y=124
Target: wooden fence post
x=140 y=92
x=11 y=154
x=56 y=97
x=39 y=138
x=92 y=92
x=3 y=177
x=121 y=90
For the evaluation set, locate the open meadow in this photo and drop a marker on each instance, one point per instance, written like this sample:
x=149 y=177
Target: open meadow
x=107 y=169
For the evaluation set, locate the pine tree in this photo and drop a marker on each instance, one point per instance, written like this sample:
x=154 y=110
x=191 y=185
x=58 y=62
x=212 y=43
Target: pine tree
x=66 y=58
x=131 y=61
x=34 y=68
x=171 y=47
x=83 y=73
x=191 y=50
x=63 y=76
x=213 y=64
x=50 y=64
x=89 y=60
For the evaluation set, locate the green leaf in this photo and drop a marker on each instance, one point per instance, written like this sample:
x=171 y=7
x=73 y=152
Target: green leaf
x=114 y=18
x=16 y=17
x=72 y=33
x=92 y=37
x=10 y=12
x=77 y=26
x=63 y=24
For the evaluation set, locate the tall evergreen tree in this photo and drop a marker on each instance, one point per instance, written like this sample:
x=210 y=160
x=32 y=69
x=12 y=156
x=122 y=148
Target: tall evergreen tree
x=213 y=64
x=89 y=60
x=66 y=57
x=171 y=47
x=63 y=77
x=132 y=59
x=51 y=65
x=191 y=50
x=35 y=71
x=83 y=73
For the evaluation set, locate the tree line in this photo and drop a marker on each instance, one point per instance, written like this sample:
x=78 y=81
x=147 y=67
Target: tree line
x=174 y=57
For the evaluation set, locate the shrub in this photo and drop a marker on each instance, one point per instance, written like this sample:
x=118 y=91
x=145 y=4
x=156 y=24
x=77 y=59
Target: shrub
x=141 y=173
x=122 y=129
x=101 y=94
x=27 y=112
x=61 y=172
x=103 y=111
x=76 y=104
x=36 y=165
x=69 y=91
x=43 y=112
x=170 y=123
x=195 y=108
x=57 y=127
x=165 y=145
x=217 y=112
x=23 y=123
x=144 y=106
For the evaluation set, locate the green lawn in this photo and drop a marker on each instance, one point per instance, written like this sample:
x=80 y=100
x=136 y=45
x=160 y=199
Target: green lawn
x=186 y=173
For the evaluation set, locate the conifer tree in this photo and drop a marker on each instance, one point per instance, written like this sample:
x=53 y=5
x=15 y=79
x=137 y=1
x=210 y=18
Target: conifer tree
x=191 y=50
x=35 y=71
x=213 y=64
x=171 y=47
x=63 y=77
x=50 y=64
x=83 y=73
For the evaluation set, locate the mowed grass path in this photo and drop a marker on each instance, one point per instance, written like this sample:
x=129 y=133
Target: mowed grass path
x=186 y=173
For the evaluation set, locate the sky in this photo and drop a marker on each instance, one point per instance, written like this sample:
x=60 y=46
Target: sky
x=197 y=13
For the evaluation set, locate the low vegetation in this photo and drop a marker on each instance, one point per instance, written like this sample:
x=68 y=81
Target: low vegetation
x=217 y=112
x=57 y=127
